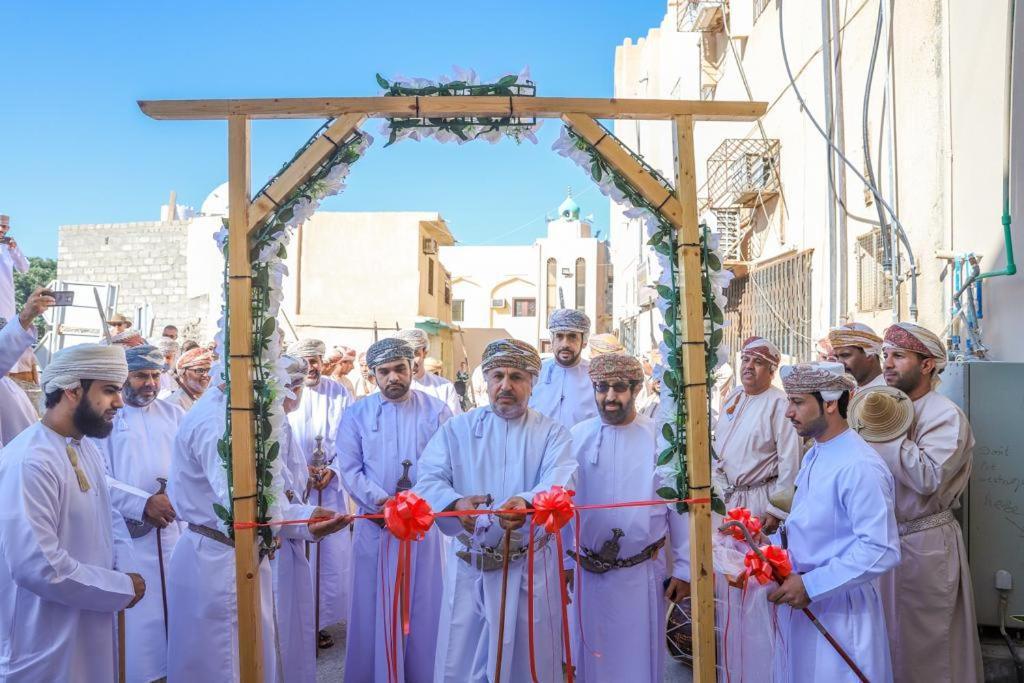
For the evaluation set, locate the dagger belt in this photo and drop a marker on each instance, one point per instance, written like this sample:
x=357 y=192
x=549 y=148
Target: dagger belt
x=490 y=558
x=607 y=559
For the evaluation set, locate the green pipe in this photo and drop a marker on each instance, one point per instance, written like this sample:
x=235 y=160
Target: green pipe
x=1011 y=267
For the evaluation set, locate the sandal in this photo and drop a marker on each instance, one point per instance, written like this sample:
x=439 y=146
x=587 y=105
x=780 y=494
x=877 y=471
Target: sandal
x=324 y=640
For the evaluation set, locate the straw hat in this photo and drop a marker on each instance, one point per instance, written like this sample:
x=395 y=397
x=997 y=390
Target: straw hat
x=881 y=413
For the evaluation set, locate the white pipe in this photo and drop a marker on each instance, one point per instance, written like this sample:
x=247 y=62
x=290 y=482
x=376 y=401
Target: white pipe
x=826 y=61
x=839 y=168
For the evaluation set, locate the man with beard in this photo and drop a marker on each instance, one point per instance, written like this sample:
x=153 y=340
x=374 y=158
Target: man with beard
x=203 y=614
x=620 y=632
x=928 y=597
x=65 y=549
x=502 y=454
x=758 y=452
x=138 y=457
x=319 y=414
x=859 y=349
x=429 y=383
x=841 y=534
x=564 y=392
x=192 y=377
x=379 y=446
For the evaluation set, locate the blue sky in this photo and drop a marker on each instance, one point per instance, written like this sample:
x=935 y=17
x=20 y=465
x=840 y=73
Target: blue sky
x=76 y=149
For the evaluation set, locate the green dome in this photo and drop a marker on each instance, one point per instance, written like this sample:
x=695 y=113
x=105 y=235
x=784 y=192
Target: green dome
x=569 y=209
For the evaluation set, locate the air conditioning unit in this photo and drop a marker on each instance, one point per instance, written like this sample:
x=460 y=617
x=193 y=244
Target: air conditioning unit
x=429 y=245
x=498 y=303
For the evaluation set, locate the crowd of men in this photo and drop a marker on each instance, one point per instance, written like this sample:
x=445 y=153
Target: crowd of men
x=115 y=503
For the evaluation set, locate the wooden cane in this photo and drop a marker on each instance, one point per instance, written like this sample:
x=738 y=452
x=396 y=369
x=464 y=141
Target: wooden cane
x=120 y=647
x=160 y=557
x=505 y=553
x=316 y=607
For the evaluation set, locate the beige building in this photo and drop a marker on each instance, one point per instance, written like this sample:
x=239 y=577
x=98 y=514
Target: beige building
x=356 y=276
x=805 y=257
x=515 y=287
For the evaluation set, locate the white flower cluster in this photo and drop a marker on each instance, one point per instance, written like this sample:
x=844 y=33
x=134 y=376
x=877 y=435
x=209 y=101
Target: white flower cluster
x=272 y=366
x=566 y=145
x=445 y=133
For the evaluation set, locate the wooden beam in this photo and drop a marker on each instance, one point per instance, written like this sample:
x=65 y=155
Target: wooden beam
x=243 y=461
x=541 y=107
x=299 y=170
x=619 y=157
x=698 y=454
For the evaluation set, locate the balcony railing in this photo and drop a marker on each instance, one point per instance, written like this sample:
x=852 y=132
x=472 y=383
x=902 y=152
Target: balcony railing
x=743 y=172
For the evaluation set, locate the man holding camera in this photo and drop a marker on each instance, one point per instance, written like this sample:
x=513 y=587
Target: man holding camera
x=11 y=259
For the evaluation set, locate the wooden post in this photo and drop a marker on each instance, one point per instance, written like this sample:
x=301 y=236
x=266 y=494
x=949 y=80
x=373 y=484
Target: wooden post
x=240 y=401
x=698 y=454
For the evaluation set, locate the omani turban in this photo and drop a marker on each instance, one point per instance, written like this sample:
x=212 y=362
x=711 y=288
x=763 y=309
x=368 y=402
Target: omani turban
x=144 y=357
x=616 y=367
x=763 y=349
x=307 y=348
x=388 y=351
x=417 y=339
x=70 y=366
x=855 y=334
x=510 y=353
x=569 y=320
x=828 y=379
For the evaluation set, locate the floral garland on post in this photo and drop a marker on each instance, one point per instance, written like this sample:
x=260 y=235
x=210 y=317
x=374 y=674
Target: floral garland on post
x=672 y=411
x=267 y=253
x=460 y=129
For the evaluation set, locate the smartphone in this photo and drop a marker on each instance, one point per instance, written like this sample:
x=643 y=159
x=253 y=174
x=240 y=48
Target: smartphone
x=63 y=298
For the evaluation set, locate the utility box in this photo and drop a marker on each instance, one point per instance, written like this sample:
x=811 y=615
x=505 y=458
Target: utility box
x=992 y=395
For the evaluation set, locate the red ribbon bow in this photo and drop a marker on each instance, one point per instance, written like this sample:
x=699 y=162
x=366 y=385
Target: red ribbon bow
x=408 y=517
x=778 y=566
x=743 y=516
x=553 y=509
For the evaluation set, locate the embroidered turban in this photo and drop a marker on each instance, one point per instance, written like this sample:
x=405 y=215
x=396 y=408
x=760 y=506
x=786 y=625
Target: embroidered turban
x=340 y=353
x=616 y=367
x=306 y=348
x=510 y=353
x=763 y=349
x=127 y=339
x=144 y=357
x=569 y=320
x=855 y=334
x=825 y=378
x=167 y=346
x=417 y=339
x=605 y=343
x=388 y=350
x=196 y=358
x=70 y=366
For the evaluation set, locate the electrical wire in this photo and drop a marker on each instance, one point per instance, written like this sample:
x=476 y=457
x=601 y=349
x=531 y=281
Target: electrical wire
x=886 y=246
x=803 y=104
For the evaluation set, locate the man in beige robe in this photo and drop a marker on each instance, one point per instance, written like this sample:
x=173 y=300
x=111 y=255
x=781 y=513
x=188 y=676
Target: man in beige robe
x=758 y=450
x=928 y=599
x=859 y=349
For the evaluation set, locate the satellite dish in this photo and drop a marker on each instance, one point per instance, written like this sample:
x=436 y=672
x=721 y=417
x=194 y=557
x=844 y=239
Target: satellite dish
x=216 y=203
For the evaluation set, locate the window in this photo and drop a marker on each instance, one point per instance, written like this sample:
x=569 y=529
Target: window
x=874 y=285
x=458 y=310
x=430 y=276
x=552 y=286
x=524 y=308
x=581 y=284
x=447 y=291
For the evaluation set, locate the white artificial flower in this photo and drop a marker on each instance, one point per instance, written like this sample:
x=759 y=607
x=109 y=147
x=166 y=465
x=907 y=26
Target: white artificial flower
x=524 y=75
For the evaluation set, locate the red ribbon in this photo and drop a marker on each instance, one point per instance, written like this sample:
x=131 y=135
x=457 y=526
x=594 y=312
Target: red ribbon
x=777 y=568
x=552 y=509
x=743 y=516
x=408 y=517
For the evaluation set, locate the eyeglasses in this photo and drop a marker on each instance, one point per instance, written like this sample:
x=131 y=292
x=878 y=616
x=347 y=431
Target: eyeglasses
x=619 y=387
x=202 y=372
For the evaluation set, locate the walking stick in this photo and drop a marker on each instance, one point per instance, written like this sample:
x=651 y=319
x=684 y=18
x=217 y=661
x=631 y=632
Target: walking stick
x=160 y=556
x=120 y=647
x=810 y=615
x=316 y=608
x=505 y=552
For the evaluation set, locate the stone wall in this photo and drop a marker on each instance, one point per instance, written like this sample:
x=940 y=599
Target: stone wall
x=147 y=260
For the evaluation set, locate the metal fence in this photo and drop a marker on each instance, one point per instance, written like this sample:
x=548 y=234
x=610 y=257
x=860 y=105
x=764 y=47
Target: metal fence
x=874 y=285
x=773 y=300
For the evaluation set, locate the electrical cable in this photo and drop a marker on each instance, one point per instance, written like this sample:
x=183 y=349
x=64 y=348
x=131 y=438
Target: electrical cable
x=874 y=191
x=886 y=246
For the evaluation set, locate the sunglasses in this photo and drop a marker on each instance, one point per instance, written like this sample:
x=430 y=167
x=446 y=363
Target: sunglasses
x=619 y=387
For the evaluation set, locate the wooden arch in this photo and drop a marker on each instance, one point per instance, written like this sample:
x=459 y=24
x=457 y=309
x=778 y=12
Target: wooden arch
x=581 y=114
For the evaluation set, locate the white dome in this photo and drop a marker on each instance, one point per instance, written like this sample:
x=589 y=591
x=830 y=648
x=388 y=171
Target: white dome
x=216 y=203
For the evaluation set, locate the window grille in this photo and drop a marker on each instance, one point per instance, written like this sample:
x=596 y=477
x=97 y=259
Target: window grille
x=524 y=308
x=874 y=285
x=458 y=310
